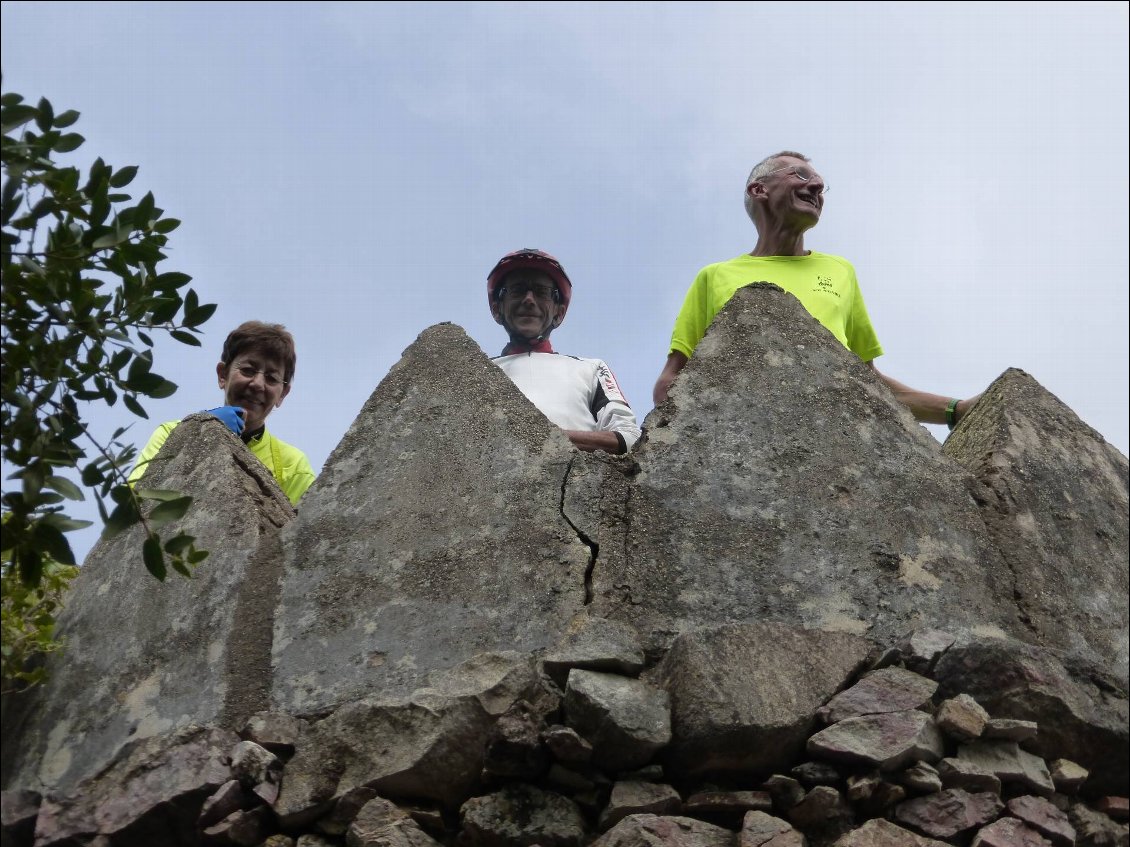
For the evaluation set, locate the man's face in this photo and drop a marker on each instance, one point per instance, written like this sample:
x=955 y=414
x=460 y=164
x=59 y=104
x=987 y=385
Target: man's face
x=527 y=306
x=787 y=197
x=253 y=381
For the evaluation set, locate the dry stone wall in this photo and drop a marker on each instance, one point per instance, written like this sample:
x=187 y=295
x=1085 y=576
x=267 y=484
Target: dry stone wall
x=788 y=617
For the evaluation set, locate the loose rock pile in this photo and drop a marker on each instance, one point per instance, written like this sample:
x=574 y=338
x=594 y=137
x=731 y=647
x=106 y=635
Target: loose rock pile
x=587 y=746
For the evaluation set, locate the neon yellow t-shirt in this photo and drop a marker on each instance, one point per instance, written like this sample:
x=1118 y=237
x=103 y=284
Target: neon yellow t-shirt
x=287 y=464
x=824 y=284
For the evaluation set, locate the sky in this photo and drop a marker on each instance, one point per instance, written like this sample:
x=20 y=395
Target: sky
x=354 y=170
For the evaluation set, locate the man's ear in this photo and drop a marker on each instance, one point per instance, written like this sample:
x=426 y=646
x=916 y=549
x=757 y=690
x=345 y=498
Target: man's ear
x=222 y=374
x=559 y=316
x=495 y=312
x=755 y=190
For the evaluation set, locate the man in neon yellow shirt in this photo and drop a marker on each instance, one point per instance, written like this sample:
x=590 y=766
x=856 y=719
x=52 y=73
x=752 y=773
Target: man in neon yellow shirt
x=255 y=372
x=784 y=197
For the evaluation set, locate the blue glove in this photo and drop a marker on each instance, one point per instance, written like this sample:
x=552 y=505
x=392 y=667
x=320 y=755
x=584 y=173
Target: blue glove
x=231 y=416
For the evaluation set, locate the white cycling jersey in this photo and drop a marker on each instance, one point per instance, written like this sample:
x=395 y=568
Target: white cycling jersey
x=574 y=393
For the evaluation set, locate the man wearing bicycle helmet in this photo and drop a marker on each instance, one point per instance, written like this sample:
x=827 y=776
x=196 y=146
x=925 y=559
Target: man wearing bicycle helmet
x=529 y=293
x=784 y=197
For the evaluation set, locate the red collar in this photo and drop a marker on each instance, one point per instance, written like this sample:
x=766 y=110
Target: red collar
x=542 y=345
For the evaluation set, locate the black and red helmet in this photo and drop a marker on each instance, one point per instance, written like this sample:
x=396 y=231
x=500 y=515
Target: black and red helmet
x=529 y=258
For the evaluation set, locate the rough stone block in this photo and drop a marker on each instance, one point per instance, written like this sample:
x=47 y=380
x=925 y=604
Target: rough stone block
x=882 y=833
x=884 y=690
x=743 y=697
x=1082 y=711
x=670 y=831
x=145 y=658
x=1054 y=497
x=781 y=481
x=626 y=720
x=435 y=533
x=887 y=741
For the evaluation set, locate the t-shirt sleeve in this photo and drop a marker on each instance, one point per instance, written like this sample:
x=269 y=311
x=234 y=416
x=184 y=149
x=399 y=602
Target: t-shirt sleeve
x=152 y=448
x=299 y=477
x=694 y=317
x=862 y=339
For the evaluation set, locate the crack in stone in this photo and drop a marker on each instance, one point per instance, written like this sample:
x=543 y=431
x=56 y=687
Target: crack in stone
x=594 y=548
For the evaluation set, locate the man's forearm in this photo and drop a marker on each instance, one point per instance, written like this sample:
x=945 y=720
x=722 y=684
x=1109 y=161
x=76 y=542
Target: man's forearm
x=676 y=361
x=591 y=441
x=926 y=407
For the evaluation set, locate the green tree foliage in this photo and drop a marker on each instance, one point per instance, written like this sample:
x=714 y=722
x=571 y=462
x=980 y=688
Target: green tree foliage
x=27 y=621
x=82 y=300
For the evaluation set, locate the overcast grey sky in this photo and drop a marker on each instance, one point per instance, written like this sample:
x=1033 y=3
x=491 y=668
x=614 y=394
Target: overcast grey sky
x=354 y=170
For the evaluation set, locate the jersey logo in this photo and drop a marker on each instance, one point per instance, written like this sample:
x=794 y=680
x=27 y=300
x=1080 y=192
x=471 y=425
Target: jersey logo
x=824 y=286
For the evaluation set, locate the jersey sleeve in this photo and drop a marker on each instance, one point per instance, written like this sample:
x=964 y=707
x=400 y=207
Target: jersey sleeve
x=152 y=448
x=610 y=408
x=299 y=477
x=862 y=338
x=694 y=317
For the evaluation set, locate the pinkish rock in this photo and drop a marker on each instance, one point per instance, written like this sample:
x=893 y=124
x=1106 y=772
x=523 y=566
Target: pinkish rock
x=882 y=833
x=949 y=812
x=887 y=741
x=762 y=830
x=728 y=801
x=879 y=692
x=1116 y=807
x=1043 y=817
x=1009 y=832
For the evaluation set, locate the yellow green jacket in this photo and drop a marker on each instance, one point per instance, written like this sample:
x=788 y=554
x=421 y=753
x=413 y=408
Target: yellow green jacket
x=287 y=464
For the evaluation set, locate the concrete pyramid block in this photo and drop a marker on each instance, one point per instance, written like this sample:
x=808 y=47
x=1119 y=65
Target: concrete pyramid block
x=1054 y=497
x=145 y=658
x=782 y=481
x=434 y=533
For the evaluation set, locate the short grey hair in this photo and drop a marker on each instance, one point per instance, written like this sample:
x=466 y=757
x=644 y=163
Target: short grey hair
x=762 y=169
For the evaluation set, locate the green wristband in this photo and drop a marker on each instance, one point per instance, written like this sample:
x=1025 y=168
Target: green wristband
x=951 y=413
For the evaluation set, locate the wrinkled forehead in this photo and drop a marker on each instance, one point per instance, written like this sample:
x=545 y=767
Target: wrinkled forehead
x=787 y=161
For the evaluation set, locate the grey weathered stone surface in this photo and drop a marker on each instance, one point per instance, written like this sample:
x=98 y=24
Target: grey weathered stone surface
x=145 y=658
x=1083 y=713
x=781 y=481
x=949 y=812
x=881 y=833
x=520 y=815
x=763 y=830
x=886 y=741
x=435 y=533
x=382 y=824
x=430 y=745
x=665 y=831
x=1010 y=764
x=1009 y=832
x=631 y=797
x=155 y=790
x=959 y=773
x=755 y=716
x=595 y=644
x=627 y=721
x=1054 y=496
